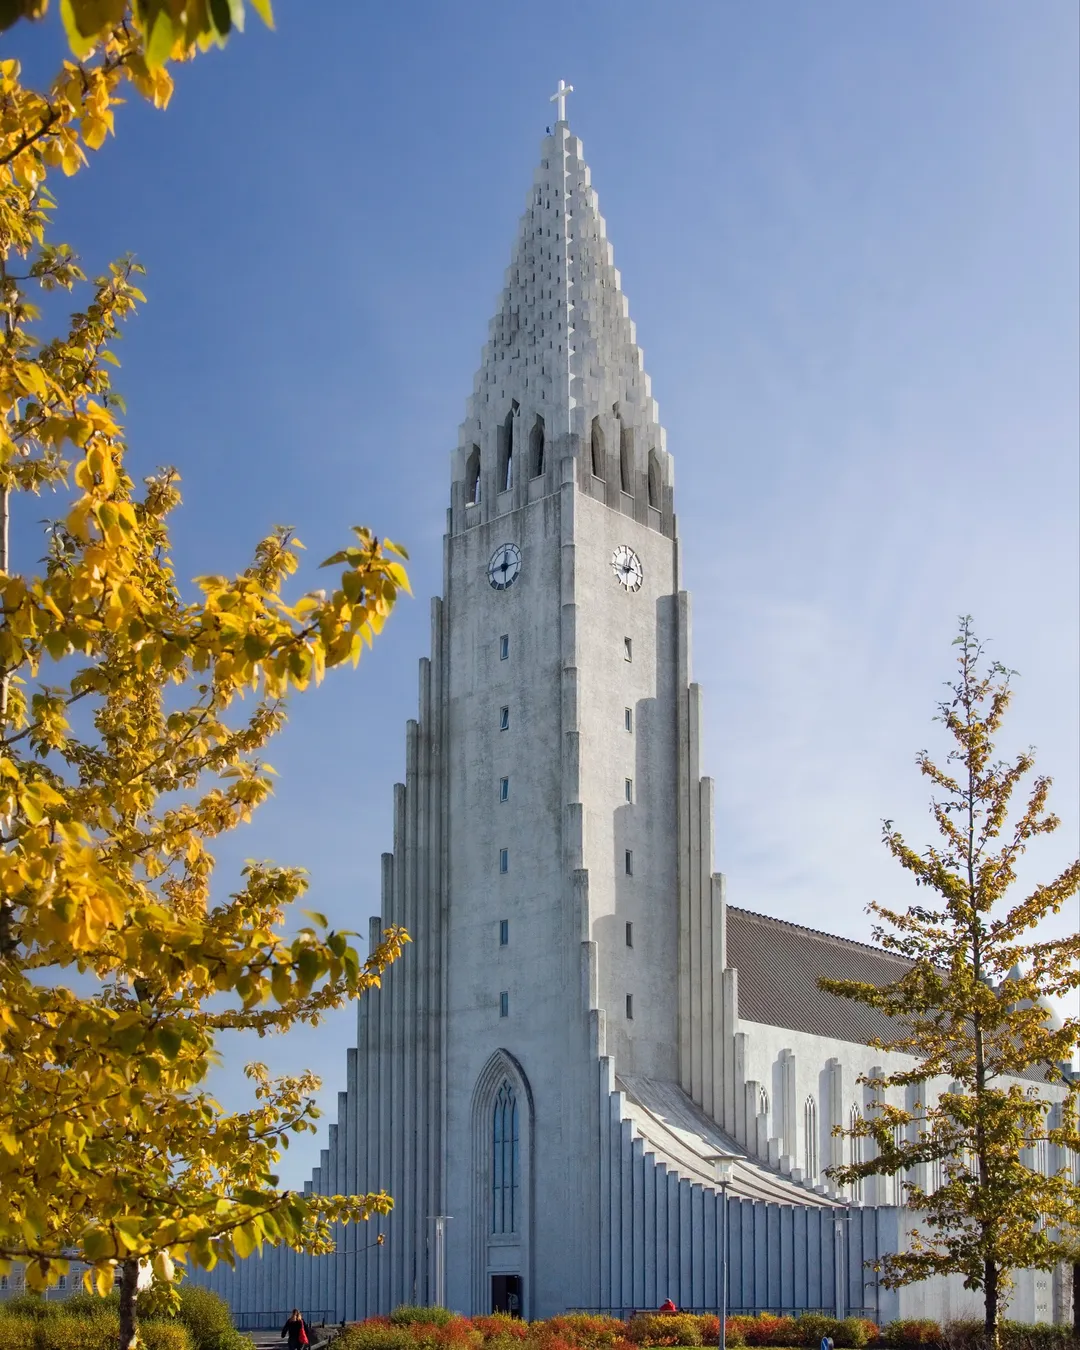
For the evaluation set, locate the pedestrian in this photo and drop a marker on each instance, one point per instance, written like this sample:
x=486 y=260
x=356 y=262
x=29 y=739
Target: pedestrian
x=297 y=1330
x=668 y=1306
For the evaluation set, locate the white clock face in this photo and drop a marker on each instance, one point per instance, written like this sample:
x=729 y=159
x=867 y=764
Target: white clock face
x=626 y=565
x=504 y=567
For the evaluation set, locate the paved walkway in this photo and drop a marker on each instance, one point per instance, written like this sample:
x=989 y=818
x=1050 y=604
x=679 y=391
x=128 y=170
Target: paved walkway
x=271 y=1340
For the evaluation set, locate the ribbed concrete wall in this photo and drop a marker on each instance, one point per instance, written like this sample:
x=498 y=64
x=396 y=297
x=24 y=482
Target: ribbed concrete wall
x=388 y=1132
x=659 y=1236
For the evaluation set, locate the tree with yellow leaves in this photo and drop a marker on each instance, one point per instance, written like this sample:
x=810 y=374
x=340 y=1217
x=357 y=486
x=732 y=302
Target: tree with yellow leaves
x=125 y=751
x=973 y=1007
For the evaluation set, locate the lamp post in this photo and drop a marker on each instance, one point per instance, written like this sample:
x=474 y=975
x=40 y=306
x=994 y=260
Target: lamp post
x=725 y=1172
x=440 y=1258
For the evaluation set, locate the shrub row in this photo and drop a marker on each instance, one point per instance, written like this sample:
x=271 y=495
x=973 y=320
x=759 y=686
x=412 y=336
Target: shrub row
x=97 y=1332
x=970 y=1335
x=86 y=1322
x=439 y=1329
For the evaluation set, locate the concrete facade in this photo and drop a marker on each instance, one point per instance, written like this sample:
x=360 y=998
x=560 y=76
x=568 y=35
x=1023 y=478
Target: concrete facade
x=568 y=985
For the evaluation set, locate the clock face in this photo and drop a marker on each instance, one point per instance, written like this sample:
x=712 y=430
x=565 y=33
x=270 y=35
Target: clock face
x=626 y=565
x=504 y=567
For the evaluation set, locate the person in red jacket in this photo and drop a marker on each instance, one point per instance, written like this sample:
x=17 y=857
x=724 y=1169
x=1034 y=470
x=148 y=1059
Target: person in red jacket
x=668 y=1306
x=297 y=1330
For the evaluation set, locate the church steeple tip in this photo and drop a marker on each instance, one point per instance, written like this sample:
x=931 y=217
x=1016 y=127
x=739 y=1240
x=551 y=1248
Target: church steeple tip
x=559 y=99
x=561 y=376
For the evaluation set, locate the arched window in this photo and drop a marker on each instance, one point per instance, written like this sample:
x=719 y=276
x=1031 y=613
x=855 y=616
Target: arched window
x=596 y=442
x=855 y=1155
x=654 y=479
x=505 y=480
x=626 y=450
x=763 y=1102
x=472 y=477
x=536 y=448
x=810 y=1128
x=505 y=1161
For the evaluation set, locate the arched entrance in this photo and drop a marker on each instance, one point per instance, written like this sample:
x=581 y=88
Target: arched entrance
x=502 y=1124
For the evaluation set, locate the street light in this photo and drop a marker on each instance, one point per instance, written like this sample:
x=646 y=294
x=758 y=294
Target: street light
x=440 y=1257
x=725 y=1174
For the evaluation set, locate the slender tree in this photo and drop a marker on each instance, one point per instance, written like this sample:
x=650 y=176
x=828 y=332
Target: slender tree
x=125 y=750
x=982 y=1043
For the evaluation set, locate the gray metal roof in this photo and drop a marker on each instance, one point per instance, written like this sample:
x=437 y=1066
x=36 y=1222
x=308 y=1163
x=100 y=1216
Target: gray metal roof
x=779 y=964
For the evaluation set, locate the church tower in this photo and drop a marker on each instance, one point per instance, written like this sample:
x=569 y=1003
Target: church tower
x=561 y=627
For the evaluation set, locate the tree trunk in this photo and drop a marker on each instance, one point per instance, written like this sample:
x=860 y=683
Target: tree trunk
x=990 y=1288
x=129 y=1292
x=1076 y=1299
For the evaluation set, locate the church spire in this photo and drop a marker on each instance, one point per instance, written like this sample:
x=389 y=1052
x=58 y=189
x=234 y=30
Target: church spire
x=561 y=373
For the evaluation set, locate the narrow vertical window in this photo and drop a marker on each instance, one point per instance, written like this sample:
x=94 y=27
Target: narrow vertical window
x=505 y=1158
x=536 y=448
x=628 y=649
x=629 y=789
x=472 y=478
x=504 y=860
x=505 y=479
x=626 y=451
x=628 y=718
x=504 y=932
x=654 y=480
x=630 y=1007
x=856 y=1157
x=504 y=789
x=504 y=647
x=810 y=1154
x=629 y=862
x=629 y=934
x=596 y=444
x=504 y=719
x=504 y=1003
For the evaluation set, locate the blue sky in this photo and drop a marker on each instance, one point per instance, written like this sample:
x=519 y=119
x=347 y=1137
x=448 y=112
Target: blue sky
x=848 y=234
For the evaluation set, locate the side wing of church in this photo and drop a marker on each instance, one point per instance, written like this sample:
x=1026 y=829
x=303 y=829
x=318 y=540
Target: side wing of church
x=583 y=1035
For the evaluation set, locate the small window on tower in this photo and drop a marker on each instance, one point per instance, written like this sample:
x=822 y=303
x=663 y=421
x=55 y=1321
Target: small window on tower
x=629 y=862
x=504 y=647
x=629 y=934
x=629 y=789
x=630 y=1007
x=504 y=719
x=628 y=649
x=504 y=932
x=504 y=789
x=472 y=478
x=504 y=860
x=628 y=718
x=504 y=1003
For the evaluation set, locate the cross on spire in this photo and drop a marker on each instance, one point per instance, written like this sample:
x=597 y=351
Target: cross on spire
x=559 y=99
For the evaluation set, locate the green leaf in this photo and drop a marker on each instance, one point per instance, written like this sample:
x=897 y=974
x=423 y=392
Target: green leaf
x=221 y=17
x=159 y=43
x=80 y=44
